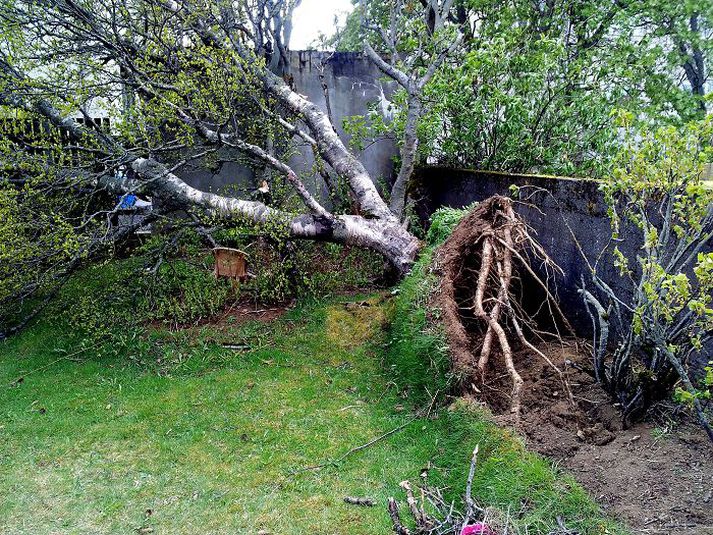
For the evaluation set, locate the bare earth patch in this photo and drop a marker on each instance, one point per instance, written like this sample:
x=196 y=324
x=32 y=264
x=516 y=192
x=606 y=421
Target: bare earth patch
x=658 y=482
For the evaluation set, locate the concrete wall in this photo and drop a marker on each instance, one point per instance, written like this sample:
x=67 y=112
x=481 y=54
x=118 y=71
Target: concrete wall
x=562 y=212
x=354 y=84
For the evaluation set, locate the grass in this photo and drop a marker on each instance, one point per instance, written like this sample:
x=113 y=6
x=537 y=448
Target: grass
x=176 y=434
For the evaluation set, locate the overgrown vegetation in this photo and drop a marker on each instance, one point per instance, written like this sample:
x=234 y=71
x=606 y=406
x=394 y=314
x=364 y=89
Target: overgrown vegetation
x=515 y=85
x=532 y=85
x=662 y=220
x=118 y=300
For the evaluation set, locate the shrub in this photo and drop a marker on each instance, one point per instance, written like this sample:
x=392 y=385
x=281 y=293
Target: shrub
x=660 y=208
x=170 y=280
x=182 y=291
x=283 y=269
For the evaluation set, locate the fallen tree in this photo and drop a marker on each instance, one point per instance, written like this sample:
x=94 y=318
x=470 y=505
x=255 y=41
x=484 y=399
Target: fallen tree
x=185 y=84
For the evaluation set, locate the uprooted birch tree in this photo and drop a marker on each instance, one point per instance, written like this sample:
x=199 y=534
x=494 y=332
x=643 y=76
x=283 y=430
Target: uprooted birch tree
x=185 y=83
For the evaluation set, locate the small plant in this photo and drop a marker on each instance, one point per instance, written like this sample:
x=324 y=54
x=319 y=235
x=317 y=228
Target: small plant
x=443 y=221
x=703 y=394
x=661 y=315
x=181 y=292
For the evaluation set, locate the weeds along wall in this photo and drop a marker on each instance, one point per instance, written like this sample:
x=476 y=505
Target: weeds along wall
x=568 y=215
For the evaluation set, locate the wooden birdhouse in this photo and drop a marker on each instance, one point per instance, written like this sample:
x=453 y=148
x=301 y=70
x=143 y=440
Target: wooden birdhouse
x=230 y=263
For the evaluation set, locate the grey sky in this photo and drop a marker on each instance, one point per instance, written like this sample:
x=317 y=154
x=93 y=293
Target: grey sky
x=314 y=17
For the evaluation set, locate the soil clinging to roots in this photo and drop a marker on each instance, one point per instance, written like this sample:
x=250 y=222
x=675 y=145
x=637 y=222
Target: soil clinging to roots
x=481 y=265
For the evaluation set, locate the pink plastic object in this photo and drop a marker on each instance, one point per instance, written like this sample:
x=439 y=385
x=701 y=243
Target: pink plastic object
x=477 y=529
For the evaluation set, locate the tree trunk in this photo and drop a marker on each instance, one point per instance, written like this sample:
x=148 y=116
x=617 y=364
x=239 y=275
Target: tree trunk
x=408 y=156
x=331 y=147
x=385 y=236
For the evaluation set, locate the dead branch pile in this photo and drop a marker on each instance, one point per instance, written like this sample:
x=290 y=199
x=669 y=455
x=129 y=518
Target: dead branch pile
x=432 y=514
x=480 y=264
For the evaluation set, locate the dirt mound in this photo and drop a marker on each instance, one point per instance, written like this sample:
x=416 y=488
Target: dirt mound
x=555 y=423
x=656 y=479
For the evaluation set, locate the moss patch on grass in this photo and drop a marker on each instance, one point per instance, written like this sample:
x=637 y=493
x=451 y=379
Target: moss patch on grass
x=353 y=324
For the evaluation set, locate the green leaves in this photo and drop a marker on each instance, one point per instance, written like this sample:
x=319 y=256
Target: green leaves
x=522 y=95
x=703 y=393
x=34 y=237
x=523 y=99
x=657 y=200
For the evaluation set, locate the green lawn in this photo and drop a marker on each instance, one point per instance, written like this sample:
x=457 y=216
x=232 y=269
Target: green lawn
x=180 y=435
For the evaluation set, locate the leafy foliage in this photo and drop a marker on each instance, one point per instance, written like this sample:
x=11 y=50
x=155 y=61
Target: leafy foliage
x=663 y=172
x=533 y=86
x=36 y=239
x=443 y=221
x=704 y=393
x=662 y=224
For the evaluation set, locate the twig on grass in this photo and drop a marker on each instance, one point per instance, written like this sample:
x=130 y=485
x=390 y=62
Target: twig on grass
x=356 y=449
x=21 y=378
x=362 y=502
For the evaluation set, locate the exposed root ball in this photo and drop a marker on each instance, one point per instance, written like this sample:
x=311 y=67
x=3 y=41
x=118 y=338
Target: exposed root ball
x=478 y=265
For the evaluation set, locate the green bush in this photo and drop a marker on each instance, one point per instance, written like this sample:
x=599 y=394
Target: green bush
x=286 y=270
x=108 y=301
x=182 y=291
x=443 y=221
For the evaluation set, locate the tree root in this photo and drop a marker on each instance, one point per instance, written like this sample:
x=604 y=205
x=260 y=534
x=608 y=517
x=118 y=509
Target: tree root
x=485 y=250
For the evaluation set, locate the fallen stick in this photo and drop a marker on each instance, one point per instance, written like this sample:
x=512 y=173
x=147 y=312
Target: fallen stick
x=362 y=502
x=373 y=441
x=71 y=356
x=237 y=347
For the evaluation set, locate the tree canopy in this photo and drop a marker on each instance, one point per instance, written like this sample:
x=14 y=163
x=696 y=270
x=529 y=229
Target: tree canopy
x=519 y=85
x=533 y=86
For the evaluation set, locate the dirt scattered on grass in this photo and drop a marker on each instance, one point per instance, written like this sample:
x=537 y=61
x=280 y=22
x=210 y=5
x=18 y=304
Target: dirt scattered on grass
x=657 y=481
x=249 y=311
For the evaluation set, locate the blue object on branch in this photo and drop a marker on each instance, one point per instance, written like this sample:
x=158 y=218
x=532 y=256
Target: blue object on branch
x=127 y=201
